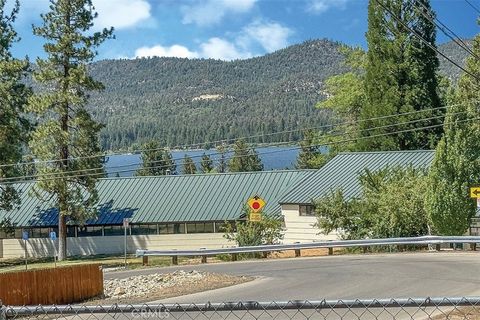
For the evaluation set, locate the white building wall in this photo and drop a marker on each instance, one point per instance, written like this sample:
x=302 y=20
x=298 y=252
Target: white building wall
x=302 y=228
x=15 y=248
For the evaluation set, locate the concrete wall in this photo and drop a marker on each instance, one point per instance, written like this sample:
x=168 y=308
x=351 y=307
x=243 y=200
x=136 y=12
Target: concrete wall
x=301 y=228
x=14 y=248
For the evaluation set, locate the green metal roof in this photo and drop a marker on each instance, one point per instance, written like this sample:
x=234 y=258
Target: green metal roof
x=183 y=198
x=343 y=170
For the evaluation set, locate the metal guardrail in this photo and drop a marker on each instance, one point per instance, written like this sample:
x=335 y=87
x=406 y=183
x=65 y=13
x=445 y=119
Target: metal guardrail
x=392 y=308
x=424 y=240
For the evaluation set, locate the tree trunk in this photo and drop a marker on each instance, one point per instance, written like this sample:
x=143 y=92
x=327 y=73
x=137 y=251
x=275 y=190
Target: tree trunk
x=62 y=237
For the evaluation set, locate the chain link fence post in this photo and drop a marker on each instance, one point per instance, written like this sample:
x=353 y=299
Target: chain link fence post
x=3 y=311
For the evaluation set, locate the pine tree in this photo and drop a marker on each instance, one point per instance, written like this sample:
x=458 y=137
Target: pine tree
x=244 y=158
x=188 y=165
x=456 y=166
x=401 y=76
x=67 y=133
x=206 y=164
x=310 y=156
x=152 y=160
x=222 y=161
x=169 y=163
x=13 y=98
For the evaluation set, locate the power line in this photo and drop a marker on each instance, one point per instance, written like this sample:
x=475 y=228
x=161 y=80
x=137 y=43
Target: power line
x=473 y=6
x=68 y=175
x=59 y=174
x=248 y=137
x=455 y=38
x=413 y=32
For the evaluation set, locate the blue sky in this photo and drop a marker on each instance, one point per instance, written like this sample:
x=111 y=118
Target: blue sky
x=229 y=29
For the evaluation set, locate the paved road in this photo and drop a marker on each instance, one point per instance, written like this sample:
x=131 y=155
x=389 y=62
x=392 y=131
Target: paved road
x=348 y=276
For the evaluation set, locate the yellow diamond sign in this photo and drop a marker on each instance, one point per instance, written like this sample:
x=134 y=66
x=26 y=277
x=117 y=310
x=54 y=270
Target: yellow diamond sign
x=475 y=192
x=256 y=204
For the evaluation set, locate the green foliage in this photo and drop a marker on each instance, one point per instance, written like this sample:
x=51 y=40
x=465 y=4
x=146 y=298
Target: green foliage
x=249 y=233
x=310 y=156
x=7 y=227
x=206 y=164
x=13 y=97
x=392 y=205
x=156 y=161
x=456 y=166
x=222 y=165
x=400 y=76
x=244 y=158
x=66 y=130
x=188 y=166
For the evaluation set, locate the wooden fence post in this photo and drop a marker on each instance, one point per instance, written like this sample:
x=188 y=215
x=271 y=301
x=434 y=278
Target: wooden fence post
x=298 y=253
x=330 y=251
x=145 y=260
x=175 y=260
x=204 y=259
x=234 y=256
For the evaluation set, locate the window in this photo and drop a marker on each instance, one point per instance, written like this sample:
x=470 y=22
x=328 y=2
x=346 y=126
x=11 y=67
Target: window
x=144 y=229
x=200 y=227
x=115 y=231
x=307 y=211
x=89 y=231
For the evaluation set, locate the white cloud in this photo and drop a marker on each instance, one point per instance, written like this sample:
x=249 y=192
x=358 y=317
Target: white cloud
x=161 y=51
x=217 y=48
x=270 y=35
x=121 y=14
x=321 y=6
x=210 y=12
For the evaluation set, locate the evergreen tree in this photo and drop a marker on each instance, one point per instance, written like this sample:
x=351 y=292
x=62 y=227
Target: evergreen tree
x=222 y=161
x=188 y=165
x=152 y=160
x=156 y=161
x=244 y=158
x=67 y=133
x=206 y=164
x=456 y=166
x=401 y=76
x=13 y=98
x=310 y=156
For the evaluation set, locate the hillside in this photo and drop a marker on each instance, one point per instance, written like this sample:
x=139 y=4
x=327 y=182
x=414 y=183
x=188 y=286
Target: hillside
x=457 y=54
x=182 y=101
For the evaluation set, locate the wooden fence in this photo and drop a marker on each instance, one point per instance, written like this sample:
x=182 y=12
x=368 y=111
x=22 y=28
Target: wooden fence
x=61 y=285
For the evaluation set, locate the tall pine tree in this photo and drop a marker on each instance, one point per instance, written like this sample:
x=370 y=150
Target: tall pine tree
x=310 y=156
x=244 y=158
x=188 y=165
x=156 y=161
x=456 y=166
x=401 y=76
x=206 y=164
x=13 y=98
x=67 y=133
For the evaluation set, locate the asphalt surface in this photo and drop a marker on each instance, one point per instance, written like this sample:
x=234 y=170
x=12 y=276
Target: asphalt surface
x=429 y=274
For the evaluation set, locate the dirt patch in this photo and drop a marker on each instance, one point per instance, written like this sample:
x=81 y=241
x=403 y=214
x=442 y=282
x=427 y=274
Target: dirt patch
x=208 y=281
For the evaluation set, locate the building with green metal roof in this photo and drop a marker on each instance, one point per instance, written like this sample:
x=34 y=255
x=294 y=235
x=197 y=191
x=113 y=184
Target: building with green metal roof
x=342 y=172
x=188 y=211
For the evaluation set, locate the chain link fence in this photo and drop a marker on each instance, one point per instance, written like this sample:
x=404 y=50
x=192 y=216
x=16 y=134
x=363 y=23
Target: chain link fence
x=410 y=308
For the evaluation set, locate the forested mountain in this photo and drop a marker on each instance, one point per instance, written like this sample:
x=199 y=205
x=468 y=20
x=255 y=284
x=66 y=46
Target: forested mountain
x=185 y=101
x=190 y=101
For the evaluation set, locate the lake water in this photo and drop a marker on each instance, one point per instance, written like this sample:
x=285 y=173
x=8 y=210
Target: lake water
x=273 y=158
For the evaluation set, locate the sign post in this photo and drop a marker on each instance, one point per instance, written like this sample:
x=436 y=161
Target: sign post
x=25 y=239
x=256 y=204
x=53 y=237
x=126 y=223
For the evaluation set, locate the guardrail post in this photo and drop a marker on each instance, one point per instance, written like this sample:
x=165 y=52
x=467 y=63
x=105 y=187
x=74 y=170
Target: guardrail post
x=365 y=249
x=330 y=251
x=204 y=259
x=234 y=256
x=473 y=246
x=145 y=260
x=175 y=260
x=298 y=253
x=437 y=247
